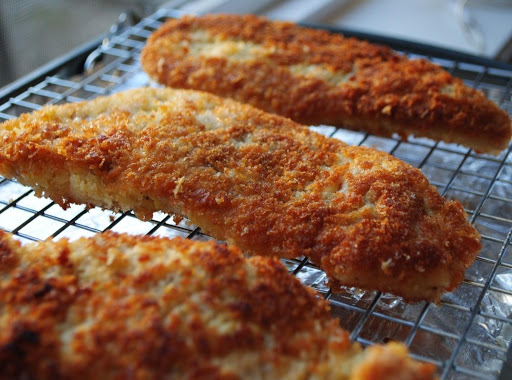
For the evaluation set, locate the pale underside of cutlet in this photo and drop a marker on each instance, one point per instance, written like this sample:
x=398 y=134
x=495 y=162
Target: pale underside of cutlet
x=256 y=180
x=126 y=307
x=316 y=77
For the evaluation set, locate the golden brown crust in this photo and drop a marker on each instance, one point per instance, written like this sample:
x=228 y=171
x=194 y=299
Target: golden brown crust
x=260 y=181
x=126 y=307
x=316 y=77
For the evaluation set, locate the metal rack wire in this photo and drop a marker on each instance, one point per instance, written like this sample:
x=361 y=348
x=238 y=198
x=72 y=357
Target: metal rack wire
x=467 y=336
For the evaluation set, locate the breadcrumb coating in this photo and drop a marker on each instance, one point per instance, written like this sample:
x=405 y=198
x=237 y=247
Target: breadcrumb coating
x=316 y=77
x=257 y=180
x=140 y=308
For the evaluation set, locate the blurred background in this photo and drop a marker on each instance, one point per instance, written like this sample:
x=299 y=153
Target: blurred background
x=34 y=32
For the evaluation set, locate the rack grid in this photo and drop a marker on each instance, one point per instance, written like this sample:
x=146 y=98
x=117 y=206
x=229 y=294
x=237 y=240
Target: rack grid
x=467 y=336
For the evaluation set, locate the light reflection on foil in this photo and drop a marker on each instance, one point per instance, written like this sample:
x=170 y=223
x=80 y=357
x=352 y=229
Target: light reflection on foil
x=499 y=304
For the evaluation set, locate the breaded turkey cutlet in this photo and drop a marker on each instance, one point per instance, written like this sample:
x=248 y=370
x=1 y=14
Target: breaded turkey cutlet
x=130 y=307
x=316 y=77
x=256 y=180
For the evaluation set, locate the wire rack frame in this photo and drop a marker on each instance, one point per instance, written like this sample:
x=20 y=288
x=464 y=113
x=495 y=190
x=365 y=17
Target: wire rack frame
x=448 y=335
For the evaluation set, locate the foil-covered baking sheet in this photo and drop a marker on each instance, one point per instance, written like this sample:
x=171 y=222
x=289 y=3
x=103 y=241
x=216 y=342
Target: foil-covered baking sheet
x=466 y=336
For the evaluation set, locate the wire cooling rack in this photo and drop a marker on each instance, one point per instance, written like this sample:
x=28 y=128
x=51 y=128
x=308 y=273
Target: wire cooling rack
x=467 y=336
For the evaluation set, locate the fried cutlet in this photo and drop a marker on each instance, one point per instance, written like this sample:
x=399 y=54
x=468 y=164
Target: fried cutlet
x=257 y=180
x=316 y=77
x=130 y=307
